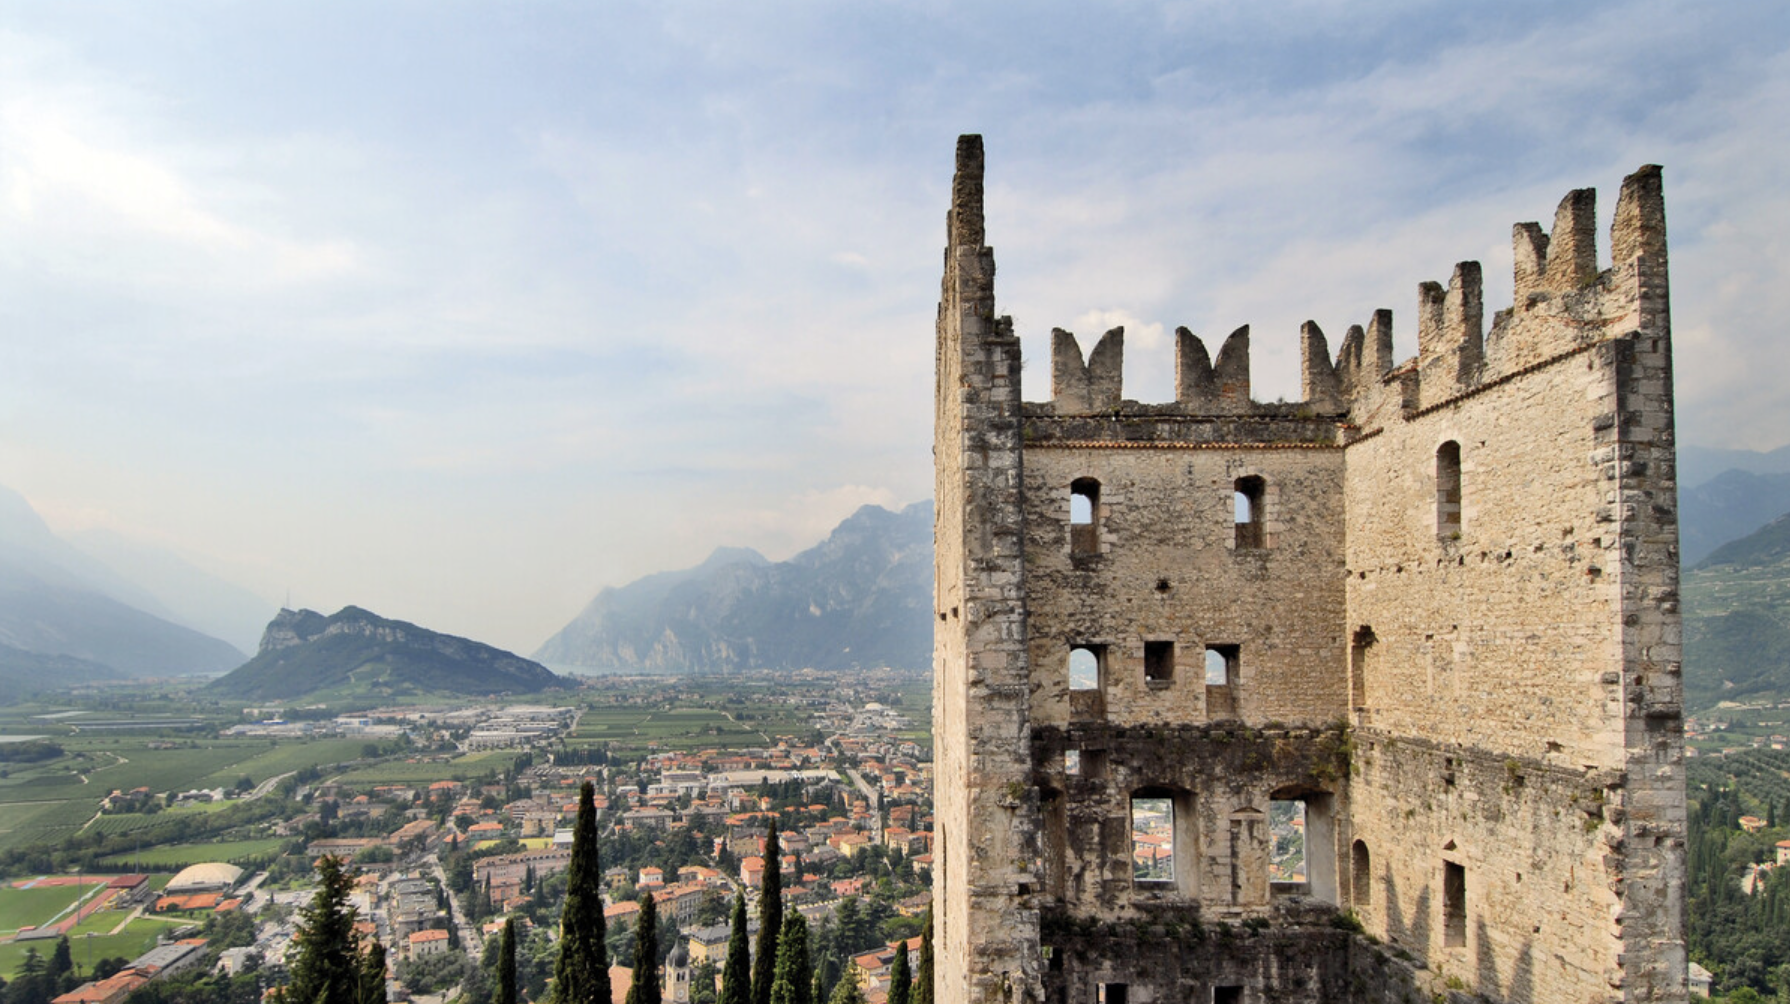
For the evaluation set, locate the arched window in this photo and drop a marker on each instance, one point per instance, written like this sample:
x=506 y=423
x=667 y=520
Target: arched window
x=1448 y=490
x=1084 y=667
x=1361 y=874
x=1084 y=516
x=1247 y=496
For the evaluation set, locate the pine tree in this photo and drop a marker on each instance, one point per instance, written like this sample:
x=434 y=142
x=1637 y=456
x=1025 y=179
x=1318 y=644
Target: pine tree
x=581 y=976
x=736 y=975
x=770 y=919
x=506 y=965
x=901 y=984
x=372 y=974
x=61 y=962
x=326 y=971
x=922 y=992
x=646 y=954
x=794 y=975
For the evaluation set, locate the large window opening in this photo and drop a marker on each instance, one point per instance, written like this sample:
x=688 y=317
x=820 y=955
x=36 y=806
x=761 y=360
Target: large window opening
x=1114 y=993
x=1247 y=497
x=1222 y=663
x=1085 y=665
x=1227 y=995
x=1084 y=516
x=1454 y=905
x=1302 y=846
x=1153 y=840
x=1448 y=490
x=1361 y=874
x=1361 y=652
x=1159 y=661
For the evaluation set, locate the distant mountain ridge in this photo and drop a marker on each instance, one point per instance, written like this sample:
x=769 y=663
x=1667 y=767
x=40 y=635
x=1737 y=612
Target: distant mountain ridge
x=56 y=600
x=860 y=598
x=1736 y=606
x=304 y=653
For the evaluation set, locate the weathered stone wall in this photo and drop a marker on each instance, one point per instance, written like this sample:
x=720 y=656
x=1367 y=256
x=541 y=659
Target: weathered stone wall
x=1451 y=624
x=986 y=932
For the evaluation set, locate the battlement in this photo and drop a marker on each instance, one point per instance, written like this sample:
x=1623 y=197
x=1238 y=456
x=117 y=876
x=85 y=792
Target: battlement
x=1562 y=303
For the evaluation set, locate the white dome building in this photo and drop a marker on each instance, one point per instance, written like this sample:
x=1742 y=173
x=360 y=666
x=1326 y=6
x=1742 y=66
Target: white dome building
x=213 y=876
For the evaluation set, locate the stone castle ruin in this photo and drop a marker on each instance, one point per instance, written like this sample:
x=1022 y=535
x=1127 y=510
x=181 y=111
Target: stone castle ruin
x=1374 y=696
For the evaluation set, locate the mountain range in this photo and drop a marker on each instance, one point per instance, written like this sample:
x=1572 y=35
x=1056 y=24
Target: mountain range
x=860 y=598
x=304 y=654
x=1736 y=607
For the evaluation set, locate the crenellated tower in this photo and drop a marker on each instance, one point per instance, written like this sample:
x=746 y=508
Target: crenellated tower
x=1218 y=680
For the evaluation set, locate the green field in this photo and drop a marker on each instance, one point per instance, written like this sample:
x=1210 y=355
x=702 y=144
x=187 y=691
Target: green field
x=133 y=941
x=37 y=906
x=460 y=768
x=181 y=855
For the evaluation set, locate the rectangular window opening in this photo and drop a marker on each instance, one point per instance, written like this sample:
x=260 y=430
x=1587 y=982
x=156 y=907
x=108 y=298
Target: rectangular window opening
x=1222 y=663
x=1287 y=873
x=1084 y=516
x=1114 y=993
x=1227 y=995
x=1152 y=840
x=1072 y=762
x=1247 y=497
x=1159 y=661
x=1454 y=905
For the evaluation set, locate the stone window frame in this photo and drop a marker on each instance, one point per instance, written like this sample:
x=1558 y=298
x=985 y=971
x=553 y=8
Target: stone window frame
x=1084 y=538
x=1250 y=534
x=1450 y=499
x=1183 y=883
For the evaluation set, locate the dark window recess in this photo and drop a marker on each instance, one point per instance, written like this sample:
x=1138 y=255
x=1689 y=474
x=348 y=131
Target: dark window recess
x=1448 y=490
x=1115 y=993
x=1227 y=995
x=1361 y=874
x=1454 y=905
x=1159 y=661
x=1084 y=516
x=1361 y=653
x=1247 y=512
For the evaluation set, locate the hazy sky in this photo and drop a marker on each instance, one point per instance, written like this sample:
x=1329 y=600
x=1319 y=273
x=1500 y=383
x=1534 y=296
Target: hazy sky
x=459 y=311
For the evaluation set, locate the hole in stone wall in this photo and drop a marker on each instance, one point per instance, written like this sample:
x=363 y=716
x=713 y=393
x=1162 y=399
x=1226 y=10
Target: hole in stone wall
x=1084 y=516
x=1361 y=652
x=1072 y=762
x=1113 y=993
x=1152 y=840
x=1159 y=661
x=1223 y=663
x=1227 y=995
x=1448 y=489
x=1454 y=905
x=1286 y=858
x=1361 y=873
x=1085 y=665
x=1246 y=500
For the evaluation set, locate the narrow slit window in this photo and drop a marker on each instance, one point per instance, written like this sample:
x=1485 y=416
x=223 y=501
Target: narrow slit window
x=1361 y=651
x=1454 y=905
x=1084 y=516
x=1159 y=661
x=1152 y=840
x=1448 y=490
x=1084 y=668
x=1246 y=511
x=1361 y=874
x=1221 y=680
x=1072 y=762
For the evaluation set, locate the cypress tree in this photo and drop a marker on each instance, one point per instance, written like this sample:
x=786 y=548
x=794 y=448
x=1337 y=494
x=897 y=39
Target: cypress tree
x=326 y=971
x=901 y=983
x=770 y=919
x=506 y=965
x=736 y=975
x=646 y=954
x=922 y=992
x=372 y=974
x=846 y=992
x=793 y=982
x=581 y=976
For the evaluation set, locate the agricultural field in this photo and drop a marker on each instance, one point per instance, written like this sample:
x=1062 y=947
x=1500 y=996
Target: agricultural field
x=177 y=856
x=44 y=802
x=460 y=768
